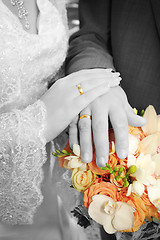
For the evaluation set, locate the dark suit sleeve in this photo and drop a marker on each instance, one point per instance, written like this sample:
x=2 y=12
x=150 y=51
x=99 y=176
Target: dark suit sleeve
x=90 y=46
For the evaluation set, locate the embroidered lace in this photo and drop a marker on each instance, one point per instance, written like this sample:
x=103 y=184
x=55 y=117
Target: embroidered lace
x=27 y=63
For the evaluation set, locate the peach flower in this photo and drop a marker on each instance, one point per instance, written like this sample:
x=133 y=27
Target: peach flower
x=81 y=180
x=119 y=183
x=104 y=188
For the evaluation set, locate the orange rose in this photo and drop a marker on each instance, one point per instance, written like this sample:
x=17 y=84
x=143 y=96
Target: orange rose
x=140 y=209
x=144 y=209
x=152 y=212
x=105 y=188
x=145 y=198
x=123 y=162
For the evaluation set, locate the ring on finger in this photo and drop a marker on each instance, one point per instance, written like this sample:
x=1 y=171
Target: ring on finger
x=85 y=116
x=80 y=89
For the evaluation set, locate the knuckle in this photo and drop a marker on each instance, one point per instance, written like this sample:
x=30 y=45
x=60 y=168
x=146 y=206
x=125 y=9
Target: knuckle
x=72 y=125
x=74 y=122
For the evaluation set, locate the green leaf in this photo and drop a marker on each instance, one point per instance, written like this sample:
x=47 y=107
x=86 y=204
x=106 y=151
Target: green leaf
x=107 y=164
x=103 y=168
x=117 y=178
x=115 y=169
x=58 y=151
x=64 y=151
x=142 y=112
x=59 y=155
x=54 y=154
x=124 y=179
x=132 y=169
x=126 y=184
x=120 y=171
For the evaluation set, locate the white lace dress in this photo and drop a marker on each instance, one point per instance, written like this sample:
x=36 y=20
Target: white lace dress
x=29 y=208
x=27 y=63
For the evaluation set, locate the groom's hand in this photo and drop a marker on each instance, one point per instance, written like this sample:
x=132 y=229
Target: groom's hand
x=114 y=106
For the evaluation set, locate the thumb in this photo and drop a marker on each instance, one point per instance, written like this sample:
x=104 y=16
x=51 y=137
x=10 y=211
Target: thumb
x=134 y=119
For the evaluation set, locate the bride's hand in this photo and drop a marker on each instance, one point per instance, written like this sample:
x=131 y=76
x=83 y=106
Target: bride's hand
x=64 y=102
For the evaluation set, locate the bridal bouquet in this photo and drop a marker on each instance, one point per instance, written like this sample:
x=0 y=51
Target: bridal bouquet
x=123 y=194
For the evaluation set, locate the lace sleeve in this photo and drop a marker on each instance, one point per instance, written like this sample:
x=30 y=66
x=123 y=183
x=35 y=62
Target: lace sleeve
x=22 y=154
x=61 y=6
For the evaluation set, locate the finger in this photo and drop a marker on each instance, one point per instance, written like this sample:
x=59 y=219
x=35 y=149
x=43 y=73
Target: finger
x=116 y=74
x=120 y=126
x=85 y=135
x=82 y=101
x=100 y=134
x=134 y=119
x=86 y=86
x=73 y=132
x=90 y=74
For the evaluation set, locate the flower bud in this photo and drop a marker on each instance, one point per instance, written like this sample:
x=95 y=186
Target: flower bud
x=132 y=169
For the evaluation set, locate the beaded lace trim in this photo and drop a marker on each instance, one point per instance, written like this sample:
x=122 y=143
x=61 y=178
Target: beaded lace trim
x=22 y=154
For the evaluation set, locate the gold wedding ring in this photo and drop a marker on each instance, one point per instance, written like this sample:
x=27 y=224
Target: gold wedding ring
x=85 y=116
x=80 y=89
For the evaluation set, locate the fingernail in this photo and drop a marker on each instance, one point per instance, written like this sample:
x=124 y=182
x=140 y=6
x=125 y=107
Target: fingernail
x=86 y=157
x=122 y=154
x=101 y=162
x=118 y=79
x=115 y=75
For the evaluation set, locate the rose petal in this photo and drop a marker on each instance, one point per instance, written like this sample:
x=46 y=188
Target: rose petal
x=83 y=167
